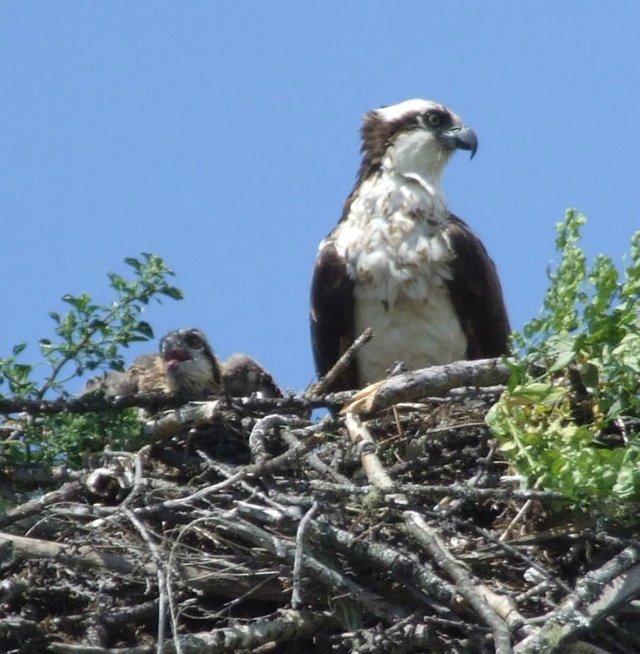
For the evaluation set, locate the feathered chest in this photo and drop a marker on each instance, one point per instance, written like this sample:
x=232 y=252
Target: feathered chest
x=393 y=239
x=396 y=249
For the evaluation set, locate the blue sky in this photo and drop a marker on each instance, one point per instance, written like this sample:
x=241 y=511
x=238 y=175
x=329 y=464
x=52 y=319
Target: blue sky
x=224 y=138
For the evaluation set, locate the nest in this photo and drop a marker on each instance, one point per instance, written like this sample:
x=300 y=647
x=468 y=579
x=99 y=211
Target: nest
x=246 y=526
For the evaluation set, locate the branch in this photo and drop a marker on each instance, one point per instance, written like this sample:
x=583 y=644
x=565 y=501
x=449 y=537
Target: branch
x=65 y=493
x=83 y=556
x=461 y=491
x=284 y=626
x=87 y=403
x=303 y=526
x=320 y=387
x=67 y=648
x=332 y=578
x=406 y=567
x=434 y=381
x=430 y=540
x=407 y=387
x=366 y=446
x=598 y=594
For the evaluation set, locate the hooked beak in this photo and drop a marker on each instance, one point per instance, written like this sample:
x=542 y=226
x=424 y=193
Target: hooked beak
x=460 y=138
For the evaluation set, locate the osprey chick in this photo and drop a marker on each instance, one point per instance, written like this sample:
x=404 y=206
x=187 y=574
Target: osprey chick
x=243 y=376
x=190 y=366
x=400 y=262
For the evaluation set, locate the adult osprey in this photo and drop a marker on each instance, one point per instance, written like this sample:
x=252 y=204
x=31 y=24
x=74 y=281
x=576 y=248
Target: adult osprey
x=399 y=262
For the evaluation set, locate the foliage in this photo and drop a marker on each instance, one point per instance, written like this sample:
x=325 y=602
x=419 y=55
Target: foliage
x=89 y=337
x=567 y=419
x=70 y=438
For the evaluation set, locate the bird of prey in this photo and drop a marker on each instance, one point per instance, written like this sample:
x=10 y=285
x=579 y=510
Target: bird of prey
x=399 y=262
x=190 y=366
x=187 y=366
x=243 y=376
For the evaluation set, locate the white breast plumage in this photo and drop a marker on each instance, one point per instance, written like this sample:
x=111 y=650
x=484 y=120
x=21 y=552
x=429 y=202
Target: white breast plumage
x=399 y=257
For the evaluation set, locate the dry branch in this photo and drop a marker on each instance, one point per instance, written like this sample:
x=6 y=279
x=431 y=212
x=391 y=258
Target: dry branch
x=285 y=626
x=404 y=566
x=434 y=381
x=201 y=548
x=598 y=594
x=366 y=447
x=33 y=548
x=320 y=387
x=63 y=494
x=431 y=541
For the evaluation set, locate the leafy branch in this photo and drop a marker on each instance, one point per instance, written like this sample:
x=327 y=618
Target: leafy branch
x=91 y=336
x=573 y=428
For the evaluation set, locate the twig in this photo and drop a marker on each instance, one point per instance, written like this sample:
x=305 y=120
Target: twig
x=259 y=433
x=138 y=479
x=437 y=380
x=87 y=403
x=597 y=595
x=362 y=439
x=318 y=464
x=296 y=595
x=320 y=387
x=430 y=540
x=406 y=387
x=68 y=648
x=286 y=625
x=439 y=491
x=84 y=556
x=65 y=493
x=175 y=421
x=269 y=466
x=404 y=566
x=163 y=590
x=516 y=553
x=321 y=571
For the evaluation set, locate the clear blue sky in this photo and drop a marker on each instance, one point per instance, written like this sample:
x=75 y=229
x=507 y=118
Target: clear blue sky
x=224 y=138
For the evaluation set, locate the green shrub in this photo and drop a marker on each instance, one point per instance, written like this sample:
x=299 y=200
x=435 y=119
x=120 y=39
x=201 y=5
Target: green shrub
x=569 y=417
x=89 y=337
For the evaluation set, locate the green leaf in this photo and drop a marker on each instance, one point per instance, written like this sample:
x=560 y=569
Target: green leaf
x=134 y=263
x=18 y=349
x=172 y=292
x=91 y=335
x=587 y=340
x=144 y=328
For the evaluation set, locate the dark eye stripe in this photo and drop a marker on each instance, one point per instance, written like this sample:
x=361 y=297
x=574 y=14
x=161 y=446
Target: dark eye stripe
x=436 y=118
x=192 y=340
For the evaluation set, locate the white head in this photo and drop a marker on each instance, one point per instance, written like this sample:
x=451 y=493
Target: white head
x=415 y=137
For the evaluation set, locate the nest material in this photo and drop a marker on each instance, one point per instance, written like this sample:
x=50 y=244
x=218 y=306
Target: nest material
x=246 y=530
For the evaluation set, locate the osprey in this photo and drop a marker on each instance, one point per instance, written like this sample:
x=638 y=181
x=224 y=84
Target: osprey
x=187 y=366
x=243 y=376
x=190 y=365
x=400 y=262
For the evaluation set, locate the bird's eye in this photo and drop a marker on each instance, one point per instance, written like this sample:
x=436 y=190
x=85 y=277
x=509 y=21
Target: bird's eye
x=192 y=340
x=433 y=118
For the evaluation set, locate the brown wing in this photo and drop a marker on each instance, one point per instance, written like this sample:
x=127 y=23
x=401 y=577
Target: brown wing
x=148 y=372
x=145 y=375
x=476 y=294
x=332 y=315
x=242 y=376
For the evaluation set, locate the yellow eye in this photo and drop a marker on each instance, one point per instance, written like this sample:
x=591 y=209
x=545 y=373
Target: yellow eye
x=433 y=119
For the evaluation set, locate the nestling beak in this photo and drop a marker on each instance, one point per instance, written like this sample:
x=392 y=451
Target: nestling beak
x=460 y=138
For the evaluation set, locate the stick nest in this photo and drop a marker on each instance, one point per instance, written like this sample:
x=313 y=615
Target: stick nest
x=244 y=526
